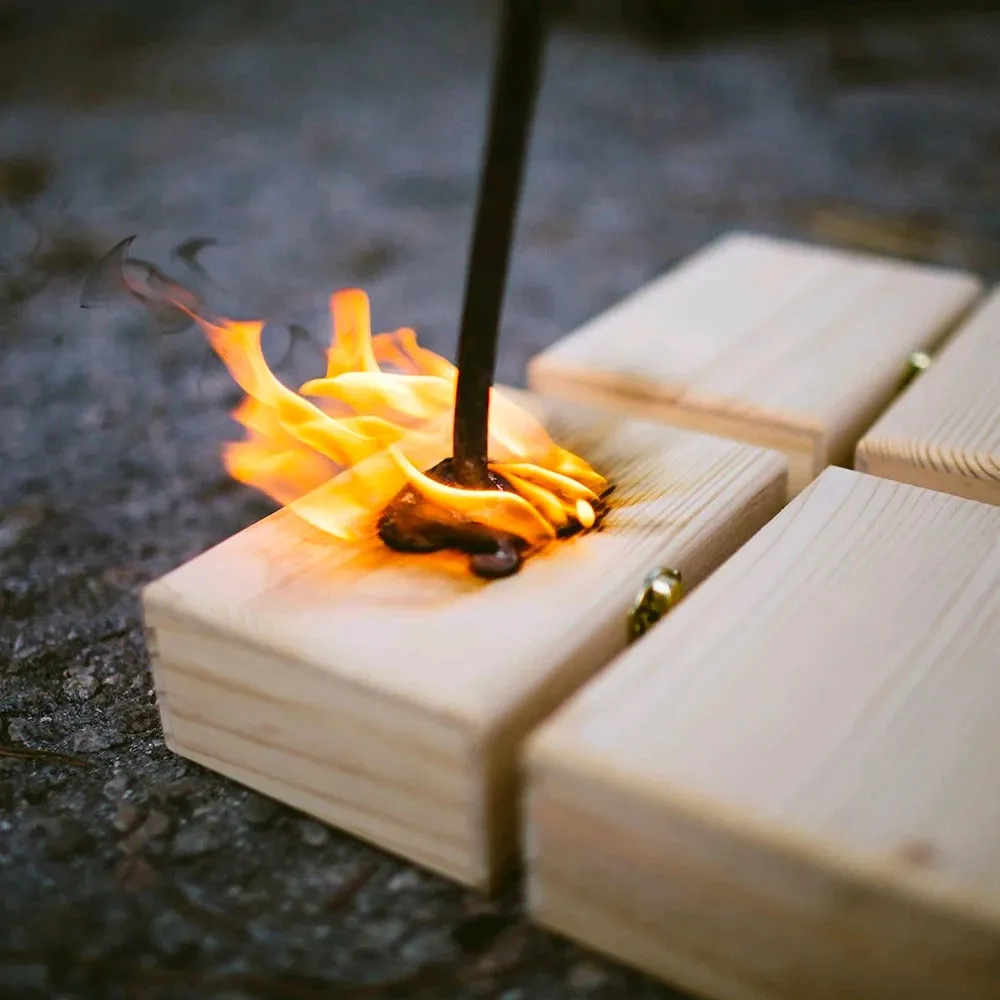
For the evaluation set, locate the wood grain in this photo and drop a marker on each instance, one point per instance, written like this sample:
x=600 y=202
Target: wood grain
x=780 y=344
x=944 y=431
x=389 y=694
x=788 y=788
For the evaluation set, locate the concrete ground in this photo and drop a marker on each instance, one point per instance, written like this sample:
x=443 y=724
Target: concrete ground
x=324 y=145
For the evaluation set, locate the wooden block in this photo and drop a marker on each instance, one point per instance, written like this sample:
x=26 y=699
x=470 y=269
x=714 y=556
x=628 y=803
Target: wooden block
x=784 y=345
x=389 y=694
x=789 y=787
x=944 y=431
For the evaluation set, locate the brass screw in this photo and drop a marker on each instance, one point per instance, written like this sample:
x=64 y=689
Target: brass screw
x=661 y=590
x=916 y=362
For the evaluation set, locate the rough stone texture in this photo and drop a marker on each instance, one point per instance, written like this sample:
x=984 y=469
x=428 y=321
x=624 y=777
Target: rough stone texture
x=324 y=145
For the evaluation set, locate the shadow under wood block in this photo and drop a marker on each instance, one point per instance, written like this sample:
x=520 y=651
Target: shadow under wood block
x=389 y=694
x=944 y=431
x=788 y=787
x=780 y=344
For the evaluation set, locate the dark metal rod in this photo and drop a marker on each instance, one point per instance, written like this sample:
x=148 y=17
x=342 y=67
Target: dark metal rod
x=515 y=86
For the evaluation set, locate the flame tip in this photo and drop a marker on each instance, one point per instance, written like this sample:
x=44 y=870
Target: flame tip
x=340 y=460
x=349 y=293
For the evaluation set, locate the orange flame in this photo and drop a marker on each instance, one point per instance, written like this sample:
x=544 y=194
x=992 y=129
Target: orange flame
x=340 y=456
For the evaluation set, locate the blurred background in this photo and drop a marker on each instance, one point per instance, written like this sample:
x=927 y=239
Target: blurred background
x=324 y=144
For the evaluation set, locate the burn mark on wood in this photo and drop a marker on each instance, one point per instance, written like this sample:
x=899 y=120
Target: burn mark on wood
x=412 y=523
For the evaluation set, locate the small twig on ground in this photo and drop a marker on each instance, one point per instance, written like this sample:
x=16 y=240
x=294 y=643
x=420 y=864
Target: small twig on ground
x=47 y=756
x=352 y=886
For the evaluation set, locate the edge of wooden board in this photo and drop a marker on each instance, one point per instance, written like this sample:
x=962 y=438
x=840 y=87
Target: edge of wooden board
x=291 y=759
x=943 y=431
x=804 y=448
x=955 y=483
x=753 y=871
x=937 y=895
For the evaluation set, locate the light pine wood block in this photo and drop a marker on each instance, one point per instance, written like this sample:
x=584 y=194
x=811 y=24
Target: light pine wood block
x=780 y=344
x=944 y=431
x=389 y=694
x=790 y=787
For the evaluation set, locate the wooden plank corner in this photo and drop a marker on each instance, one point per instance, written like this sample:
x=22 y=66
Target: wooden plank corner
x=943 y=432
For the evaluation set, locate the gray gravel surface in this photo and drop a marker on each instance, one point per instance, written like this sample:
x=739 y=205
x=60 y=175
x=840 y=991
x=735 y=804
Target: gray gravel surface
x=323 y=145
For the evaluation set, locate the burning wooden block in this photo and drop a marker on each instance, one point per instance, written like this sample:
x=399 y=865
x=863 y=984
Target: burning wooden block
x=944 y=431
x=388 y=693
x=779 y=344
x=788 y=788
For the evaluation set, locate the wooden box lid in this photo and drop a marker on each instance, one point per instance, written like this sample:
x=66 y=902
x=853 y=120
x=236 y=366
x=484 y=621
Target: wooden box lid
x=791 y=786
x=944 y=431
x=776 y=343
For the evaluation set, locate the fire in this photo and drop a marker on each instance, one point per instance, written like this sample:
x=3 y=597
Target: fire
x=342 y=447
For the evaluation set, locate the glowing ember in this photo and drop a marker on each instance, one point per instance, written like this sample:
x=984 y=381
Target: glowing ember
x=349 y=450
